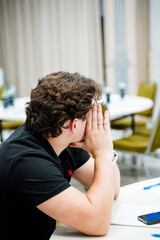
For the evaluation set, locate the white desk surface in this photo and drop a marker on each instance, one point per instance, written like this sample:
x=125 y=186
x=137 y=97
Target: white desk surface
x=15 y=113
x=130 y=194
x=117 y=108
x=130 y=104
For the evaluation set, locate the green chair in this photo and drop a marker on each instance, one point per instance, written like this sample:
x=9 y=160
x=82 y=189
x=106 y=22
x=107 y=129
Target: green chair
x=141 y=145
x=104 y=108
x=11 y=125
x=1 y=90
x=145 y=90
x=143 y=130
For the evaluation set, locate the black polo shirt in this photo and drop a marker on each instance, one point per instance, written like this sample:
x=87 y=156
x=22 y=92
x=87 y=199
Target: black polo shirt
x=31 y=173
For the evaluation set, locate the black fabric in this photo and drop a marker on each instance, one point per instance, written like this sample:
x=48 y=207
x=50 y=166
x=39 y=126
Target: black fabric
x=31 y=173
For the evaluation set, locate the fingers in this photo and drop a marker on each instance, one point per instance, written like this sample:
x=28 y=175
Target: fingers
x=89 y=121
x=99 y=116
x=94 y=116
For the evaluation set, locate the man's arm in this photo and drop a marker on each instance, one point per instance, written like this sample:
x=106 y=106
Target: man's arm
x=85 y=175
x=90 y=213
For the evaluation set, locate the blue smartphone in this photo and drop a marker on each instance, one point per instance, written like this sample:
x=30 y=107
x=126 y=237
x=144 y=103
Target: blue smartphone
x=150 y=218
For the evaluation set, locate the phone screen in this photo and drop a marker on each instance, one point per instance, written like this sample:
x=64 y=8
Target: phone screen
x=150 y=218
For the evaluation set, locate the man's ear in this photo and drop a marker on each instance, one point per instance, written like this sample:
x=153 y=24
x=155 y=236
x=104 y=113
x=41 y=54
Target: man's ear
x=74 y=125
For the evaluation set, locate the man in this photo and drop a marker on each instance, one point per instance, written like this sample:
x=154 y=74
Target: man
x=37 y=161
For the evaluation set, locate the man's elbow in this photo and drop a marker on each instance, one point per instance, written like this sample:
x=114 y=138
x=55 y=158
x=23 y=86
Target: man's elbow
x=98 y=230
x=97 y=225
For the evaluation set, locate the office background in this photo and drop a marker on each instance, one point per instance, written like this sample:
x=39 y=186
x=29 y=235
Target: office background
x=108 y=40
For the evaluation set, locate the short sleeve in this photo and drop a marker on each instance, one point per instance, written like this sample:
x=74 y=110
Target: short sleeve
x=36 y=180
x=81 y=156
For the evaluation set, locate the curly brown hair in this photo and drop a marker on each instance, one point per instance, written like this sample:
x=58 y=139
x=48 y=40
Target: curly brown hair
x=57 y=98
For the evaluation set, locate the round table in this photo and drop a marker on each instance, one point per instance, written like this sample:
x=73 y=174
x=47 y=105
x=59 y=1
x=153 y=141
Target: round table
x=16 y=112
x=130 y=104
x=117 y=107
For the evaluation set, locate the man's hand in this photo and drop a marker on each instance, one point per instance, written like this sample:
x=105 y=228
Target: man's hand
x=98 y=137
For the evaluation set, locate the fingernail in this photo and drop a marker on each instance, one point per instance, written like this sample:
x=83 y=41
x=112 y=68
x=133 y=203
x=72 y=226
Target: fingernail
x=94 y=104
x=106 y=113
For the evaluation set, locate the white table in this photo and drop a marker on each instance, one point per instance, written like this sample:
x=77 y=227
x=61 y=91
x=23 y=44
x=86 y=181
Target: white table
x=130 y=194
x=16 y=112
x=13 y=113
x=130 y=104
x=117 y=108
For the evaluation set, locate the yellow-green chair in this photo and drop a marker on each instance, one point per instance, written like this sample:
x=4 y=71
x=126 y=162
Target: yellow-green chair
x=104 y=108
x=143 y=130
x=8 y=126
x=145 y=90
x=140 y=145
x=11 y=125
x=1 y=90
